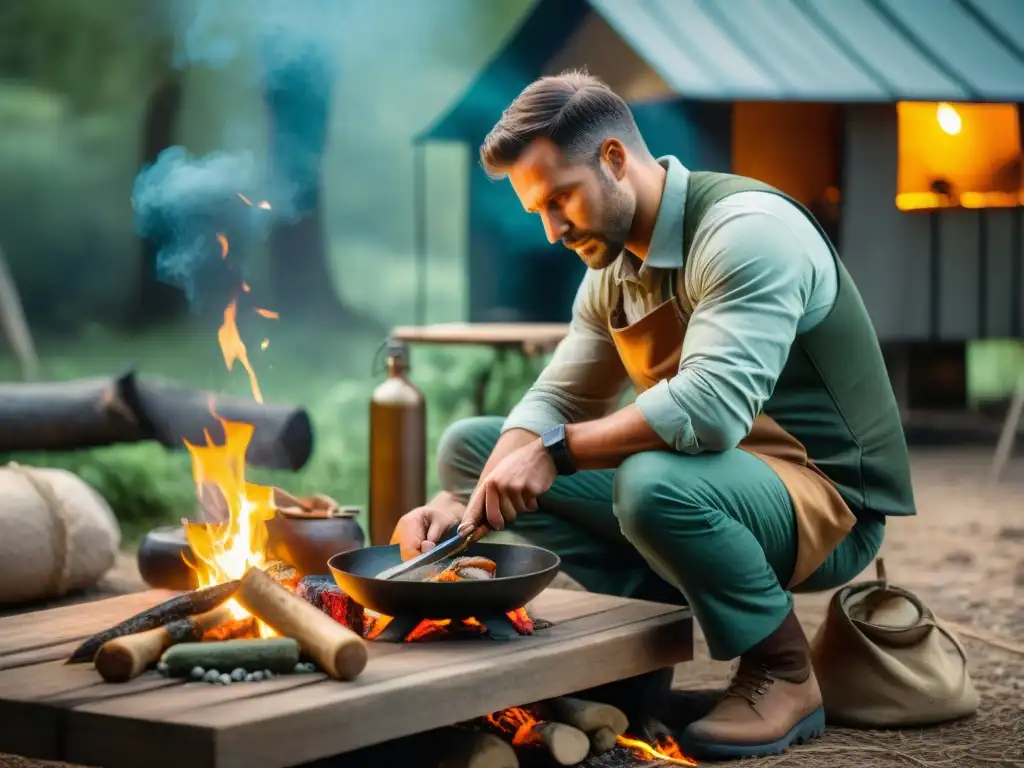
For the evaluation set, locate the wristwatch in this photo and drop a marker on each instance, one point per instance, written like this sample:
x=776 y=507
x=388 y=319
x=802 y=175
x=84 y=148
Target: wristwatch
x=554 y=442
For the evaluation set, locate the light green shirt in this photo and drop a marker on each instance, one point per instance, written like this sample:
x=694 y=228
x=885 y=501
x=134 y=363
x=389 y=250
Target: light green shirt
x=758 y=273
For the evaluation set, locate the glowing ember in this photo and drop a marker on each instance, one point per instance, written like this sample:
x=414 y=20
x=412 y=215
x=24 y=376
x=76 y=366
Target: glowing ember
x=666 y=750
x=246 y=288
x=261 y=204
x=514 y=720
x=226 y=551
x=224 y=246
x=264 y=344
x=233 y=347
x=267 y=313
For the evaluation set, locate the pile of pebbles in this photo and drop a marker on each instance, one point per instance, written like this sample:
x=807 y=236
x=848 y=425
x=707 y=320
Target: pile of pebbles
x=215 y=676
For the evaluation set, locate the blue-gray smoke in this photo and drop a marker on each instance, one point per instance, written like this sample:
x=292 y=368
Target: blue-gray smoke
x=181 y=202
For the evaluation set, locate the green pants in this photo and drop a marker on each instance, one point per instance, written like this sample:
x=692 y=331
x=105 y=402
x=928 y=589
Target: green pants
x=715 y=531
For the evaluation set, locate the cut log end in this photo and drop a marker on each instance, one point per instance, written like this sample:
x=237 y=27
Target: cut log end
x=463 y=748
x=563 y=743
x=602 y=740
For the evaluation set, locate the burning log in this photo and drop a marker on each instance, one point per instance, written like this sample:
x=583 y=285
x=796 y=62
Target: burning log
x=233 y=629
x=465 y=748
x=89 y=413
x=177 y=608
x=283 y=573
x=562 y=743
x=124 y=658
x=322 y=593
x=602 y=723
x=277 y=654
x=338 y=651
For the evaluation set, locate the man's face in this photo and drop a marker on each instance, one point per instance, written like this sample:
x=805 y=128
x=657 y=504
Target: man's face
x=583 y=205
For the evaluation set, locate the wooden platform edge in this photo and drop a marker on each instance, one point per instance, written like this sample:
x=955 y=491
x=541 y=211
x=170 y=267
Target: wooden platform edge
x=321 y=730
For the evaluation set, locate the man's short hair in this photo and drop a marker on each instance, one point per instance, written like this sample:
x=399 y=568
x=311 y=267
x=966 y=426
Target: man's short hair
x=576 y=111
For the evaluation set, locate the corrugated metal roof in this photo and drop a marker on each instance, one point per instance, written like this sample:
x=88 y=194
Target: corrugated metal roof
x=829 y=50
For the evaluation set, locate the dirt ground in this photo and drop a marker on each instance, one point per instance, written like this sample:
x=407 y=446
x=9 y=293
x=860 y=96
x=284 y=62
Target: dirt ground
x=964 y=555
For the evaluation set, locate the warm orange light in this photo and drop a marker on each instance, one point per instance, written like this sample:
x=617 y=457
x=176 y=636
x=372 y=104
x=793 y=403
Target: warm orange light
x=958 y=156
x=948 y=118
x=233 y=348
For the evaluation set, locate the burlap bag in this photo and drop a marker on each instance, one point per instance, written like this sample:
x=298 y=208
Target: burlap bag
x=883 y=660
x=57 y=534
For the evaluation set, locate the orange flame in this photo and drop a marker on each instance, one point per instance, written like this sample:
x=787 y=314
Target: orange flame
x=666 y=750
x=233 y=347
x=514 y=720
x=224 y=552
x=223 y=240
x=267 y=313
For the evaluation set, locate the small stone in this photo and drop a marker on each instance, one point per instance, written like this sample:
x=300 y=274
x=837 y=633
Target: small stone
x=257 y=676
x=161 y=668
x=249 y=678
x=300 y=669
x=267 y=674
x=224 y=679
x=238 y=675
x=211 y=676
x=310 y=667
x=197 y=673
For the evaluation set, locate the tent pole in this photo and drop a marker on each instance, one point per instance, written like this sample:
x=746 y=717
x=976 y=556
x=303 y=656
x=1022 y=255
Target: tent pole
x=420 y=229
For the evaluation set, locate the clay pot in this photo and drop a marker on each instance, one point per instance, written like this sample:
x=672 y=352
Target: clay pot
x=305 y=543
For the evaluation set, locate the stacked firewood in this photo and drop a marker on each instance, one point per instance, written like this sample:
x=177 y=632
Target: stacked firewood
x=195 y=634
x=563 y=731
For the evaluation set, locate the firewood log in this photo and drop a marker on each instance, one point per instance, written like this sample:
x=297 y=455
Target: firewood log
x=322 y=593
x=127 y=657
x=588 y=716
x=89 y=413
x=465 y=748
x=564 y=744
x=339 y=651
x=602 y=740
x=179 y=607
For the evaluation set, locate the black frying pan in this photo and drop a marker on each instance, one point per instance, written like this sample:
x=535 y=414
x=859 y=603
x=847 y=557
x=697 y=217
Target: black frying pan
x=523 y=572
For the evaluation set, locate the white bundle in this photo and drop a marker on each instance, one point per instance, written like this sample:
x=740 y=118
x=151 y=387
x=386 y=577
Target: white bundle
x=57 y=534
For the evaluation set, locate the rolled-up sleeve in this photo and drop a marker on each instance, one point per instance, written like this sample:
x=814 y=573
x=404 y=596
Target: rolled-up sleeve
x=749 y=277
x=584 y=380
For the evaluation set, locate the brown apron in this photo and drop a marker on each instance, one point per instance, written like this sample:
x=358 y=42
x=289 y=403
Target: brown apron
x=651 y=349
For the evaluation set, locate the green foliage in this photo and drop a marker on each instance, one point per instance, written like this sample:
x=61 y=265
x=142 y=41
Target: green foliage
x=147 y=485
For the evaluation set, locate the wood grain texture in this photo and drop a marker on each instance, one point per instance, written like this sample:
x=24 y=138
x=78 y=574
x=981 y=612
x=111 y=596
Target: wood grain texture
x=53 y=711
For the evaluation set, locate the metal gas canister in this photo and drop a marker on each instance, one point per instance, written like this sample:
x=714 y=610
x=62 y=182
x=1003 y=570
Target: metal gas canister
x=398 y=446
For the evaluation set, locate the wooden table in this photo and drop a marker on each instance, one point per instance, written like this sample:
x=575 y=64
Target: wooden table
x=50 y=710
x=527 y=339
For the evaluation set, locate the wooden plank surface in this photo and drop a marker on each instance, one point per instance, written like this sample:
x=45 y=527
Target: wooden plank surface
x=536 y=335
x=52 y=710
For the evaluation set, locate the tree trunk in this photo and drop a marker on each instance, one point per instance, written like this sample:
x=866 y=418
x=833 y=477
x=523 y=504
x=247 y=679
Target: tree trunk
x=158 y=302
x=297 y=94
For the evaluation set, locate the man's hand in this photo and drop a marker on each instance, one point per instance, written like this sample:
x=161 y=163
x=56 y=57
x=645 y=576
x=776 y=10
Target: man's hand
x=511 y=488
x=418 y=531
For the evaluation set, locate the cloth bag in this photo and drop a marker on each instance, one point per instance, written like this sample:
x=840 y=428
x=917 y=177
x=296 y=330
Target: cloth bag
x=883 y=660
x=57 y=534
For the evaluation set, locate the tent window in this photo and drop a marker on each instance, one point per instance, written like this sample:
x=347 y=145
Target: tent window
x=959 y=155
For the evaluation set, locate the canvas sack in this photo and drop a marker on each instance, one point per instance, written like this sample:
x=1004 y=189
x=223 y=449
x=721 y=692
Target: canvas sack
x=883 y=660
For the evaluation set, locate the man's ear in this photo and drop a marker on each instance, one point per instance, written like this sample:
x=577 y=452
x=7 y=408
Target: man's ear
x=613 y=154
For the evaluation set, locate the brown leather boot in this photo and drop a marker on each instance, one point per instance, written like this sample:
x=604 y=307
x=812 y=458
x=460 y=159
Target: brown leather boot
x=772 y=703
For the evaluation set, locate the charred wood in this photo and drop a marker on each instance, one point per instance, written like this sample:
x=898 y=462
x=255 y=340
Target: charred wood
x=177 y=608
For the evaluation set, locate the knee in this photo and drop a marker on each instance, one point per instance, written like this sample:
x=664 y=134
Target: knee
x=463 y=449
x=647 y=495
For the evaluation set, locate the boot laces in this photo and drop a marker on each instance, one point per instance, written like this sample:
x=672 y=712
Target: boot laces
x=750 y=682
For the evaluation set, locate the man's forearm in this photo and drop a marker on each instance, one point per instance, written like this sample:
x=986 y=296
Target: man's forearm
x=606 y=443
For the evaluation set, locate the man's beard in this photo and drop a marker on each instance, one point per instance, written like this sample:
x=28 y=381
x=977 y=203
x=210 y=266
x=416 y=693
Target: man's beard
x=609 y=240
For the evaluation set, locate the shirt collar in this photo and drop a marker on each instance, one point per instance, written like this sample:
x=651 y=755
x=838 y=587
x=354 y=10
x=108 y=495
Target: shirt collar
x=666 y=248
